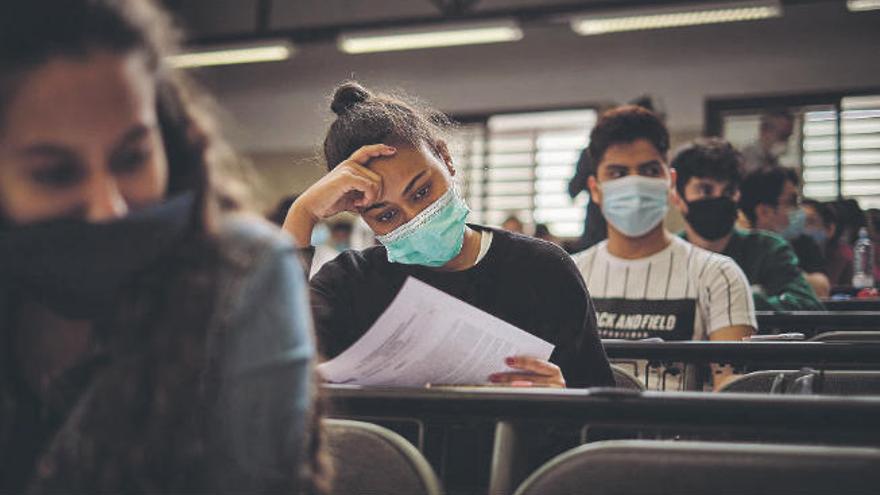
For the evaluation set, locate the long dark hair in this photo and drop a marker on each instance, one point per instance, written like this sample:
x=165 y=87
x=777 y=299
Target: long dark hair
x=139 y=426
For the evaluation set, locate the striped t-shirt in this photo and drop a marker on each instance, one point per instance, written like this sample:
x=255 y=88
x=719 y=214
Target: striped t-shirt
x=681 y=293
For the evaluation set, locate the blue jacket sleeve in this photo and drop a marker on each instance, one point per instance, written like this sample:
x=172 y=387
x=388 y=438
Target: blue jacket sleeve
x=265 y=378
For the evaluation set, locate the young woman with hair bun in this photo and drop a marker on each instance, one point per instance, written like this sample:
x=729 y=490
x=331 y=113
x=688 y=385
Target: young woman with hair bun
x=388 y=161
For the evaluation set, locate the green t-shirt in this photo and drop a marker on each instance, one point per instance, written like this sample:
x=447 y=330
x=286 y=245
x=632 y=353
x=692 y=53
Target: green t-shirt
x=771 y=266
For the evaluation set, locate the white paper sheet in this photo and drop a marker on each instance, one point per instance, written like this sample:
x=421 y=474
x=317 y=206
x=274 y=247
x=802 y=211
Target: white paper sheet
x=429 y=337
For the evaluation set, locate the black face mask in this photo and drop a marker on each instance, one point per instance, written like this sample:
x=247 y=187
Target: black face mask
x=76 y=268
x=712 y=218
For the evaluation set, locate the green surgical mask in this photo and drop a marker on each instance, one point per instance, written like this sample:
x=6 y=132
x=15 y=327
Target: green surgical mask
x=433 y=237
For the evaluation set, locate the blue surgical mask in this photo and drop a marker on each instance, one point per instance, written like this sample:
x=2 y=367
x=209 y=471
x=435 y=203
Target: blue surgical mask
x=819 y=236
x=433 y=237
x=634 y=204
x=796 y=221
x=320 y=234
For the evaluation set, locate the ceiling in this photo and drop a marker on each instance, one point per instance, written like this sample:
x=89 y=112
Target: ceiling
x=211 y=21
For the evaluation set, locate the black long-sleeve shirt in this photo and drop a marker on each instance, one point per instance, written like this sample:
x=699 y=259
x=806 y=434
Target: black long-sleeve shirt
x=531 y=284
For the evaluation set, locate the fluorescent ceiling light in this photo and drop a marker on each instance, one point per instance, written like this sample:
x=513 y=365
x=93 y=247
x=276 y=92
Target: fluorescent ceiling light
x=265 y=51
x=637 y=20
x=862 y=5
x=429 y=37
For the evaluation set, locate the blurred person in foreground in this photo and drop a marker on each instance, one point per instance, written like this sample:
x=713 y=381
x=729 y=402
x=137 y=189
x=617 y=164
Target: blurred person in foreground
x=151 y=342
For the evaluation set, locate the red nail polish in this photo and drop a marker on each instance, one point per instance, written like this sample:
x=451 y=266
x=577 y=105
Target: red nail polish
x=493 y=378
x=510 y=361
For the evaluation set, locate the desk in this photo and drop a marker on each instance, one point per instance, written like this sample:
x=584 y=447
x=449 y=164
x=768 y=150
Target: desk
x=521 y=418
x=865 y=304
x=690 y=358
x=755 y=355
x=814 y=322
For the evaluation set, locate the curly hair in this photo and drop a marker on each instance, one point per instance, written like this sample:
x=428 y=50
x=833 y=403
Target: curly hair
x=708 y=158
x=624 y=125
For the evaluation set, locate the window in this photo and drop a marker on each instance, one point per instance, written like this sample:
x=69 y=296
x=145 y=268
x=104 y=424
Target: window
x=857 y=148
x=520 y=164
x=844 y=164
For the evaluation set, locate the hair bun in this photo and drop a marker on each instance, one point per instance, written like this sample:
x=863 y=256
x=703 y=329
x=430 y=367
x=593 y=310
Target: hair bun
x=348 y=95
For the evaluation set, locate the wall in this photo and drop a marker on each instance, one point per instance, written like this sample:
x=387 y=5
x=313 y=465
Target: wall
x=282 y=108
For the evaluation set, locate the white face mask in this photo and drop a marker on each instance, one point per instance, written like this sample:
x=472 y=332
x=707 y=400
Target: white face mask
x=634 y=205
x=779 y=148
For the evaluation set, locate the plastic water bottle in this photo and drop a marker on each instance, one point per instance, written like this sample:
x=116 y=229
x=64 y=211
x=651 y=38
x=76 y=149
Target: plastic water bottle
x=863 y=261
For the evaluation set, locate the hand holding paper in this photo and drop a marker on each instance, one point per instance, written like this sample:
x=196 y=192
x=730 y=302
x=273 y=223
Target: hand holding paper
x=429 y=337
x=530 y=372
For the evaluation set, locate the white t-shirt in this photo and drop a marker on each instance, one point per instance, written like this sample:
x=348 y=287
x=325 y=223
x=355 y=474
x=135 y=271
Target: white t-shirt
x=485 y=244
x=323 y=254
x=681 y=293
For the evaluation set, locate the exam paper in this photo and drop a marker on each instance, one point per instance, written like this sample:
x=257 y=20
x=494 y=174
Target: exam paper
x=429 y=337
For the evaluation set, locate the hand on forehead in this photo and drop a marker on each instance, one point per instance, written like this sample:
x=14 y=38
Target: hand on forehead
x=411 y=179
x=399 y=171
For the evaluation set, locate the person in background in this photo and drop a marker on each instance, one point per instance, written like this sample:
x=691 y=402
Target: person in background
x=329 y=239
x=277 y=214
x=708 y=177
x=388 y=162
x=821 y=225
x=340 y=234
x=594 y=223
x=850 y=219
x=595 y=228
x=872 y=220
x=774 y=134
x=770 y=201
x=513 y=224
x=645 y=282
x=542 y=231
x=151 y=343
x=324 y=252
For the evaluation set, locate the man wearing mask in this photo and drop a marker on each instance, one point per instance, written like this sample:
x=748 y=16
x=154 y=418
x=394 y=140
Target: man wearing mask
x=775 y=131
x=644 y=281
x=708 y=177
x=770 y=201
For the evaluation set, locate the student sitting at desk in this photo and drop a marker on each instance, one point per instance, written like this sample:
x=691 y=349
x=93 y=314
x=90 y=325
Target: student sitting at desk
x=822 y=225
x=709 y=172
x=388 y=162
x=646 y=282
x=770 y=201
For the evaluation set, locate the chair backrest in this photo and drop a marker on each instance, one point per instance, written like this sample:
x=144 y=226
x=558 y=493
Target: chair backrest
x=370 y=459
x=625 y=379
x=801 y=382
x=867 y=336
x=650 y=467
